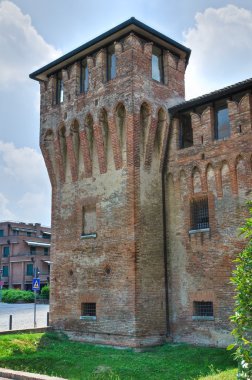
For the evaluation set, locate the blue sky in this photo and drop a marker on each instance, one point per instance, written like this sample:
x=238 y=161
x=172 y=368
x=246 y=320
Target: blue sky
x=35 y=32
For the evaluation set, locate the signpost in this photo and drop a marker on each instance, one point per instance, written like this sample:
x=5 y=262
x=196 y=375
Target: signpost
x=35 y=288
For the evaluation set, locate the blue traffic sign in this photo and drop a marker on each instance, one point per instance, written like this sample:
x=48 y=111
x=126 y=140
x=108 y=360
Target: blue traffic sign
x=36 y=284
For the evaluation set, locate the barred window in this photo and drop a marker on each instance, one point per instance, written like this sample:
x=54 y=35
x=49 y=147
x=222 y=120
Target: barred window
x=199 y=214
x=89 y=309
x=202 y=309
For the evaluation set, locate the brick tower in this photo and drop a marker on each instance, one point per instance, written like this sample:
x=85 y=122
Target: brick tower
x=104 y=124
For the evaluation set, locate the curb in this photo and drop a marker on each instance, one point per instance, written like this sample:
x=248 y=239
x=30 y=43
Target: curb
x=20 y=375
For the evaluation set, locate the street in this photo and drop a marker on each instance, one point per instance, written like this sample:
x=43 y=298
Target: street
x=22 y=316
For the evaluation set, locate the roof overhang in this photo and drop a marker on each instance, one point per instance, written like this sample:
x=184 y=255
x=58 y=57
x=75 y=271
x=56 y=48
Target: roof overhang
x=116 y=33
x=37 y=244
x=212 y=97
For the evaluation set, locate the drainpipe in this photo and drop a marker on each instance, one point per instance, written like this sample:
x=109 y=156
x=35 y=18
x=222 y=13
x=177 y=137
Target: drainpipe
x=165 y=238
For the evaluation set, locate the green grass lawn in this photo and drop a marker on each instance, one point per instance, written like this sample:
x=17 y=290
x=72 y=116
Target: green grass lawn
x=54 y=354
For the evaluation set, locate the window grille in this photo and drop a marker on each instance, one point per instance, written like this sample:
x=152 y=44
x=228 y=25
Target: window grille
x=89 y=309
x=199 y=214
x=203 y=309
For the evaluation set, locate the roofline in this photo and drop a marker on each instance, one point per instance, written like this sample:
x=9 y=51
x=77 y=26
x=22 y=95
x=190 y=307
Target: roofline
x=109 y=33
x=212 y=96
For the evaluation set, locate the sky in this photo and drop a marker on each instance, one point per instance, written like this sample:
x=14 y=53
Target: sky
x=35 y=32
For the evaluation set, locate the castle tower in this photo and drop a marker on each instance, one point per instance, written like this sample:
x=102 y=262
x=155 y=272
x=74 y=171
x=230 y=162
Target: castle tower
x=103 y=129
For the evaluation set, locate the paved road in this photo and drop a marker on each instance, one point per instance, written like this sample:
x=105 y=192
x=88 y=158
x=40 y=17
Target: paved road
x=22 y=316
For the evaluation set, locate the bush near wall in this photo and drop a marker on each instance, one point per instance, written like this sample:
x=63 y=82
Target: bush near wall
x=16 y=295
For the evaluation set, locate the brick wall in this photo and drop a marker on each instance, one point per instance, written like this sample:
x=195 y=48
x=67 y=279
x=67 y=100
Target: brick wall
x=200 y=263
x=103 y=150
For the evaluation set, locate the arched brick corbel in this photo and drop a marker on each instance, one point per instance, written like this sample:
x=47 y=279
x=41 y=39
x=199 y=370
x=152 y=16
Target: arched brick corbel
x=233 y=177
x=98 y=140
x=218 y=180
x=60 y=160
x=150 y=143
x=49 y=159
x=84 y=146
x=71 y=156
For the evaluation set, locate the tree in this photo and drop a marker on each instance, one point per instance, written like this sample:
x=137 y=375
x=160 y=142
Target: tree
x=242 y=319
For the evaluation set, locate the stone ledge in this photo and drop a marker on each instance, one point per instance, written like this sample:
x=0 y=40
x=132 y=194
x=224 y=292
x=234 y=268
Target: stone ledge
x=20 y=375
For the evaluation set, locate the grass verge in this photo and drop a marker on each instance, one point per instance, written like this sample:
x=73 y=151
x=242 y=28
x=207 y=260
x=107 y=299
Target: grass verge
x=54 y=354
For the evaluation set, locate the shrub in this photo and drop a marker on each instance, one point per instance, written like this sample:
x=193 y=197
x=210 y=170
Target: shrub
x=45 y=292
x=242 y=279
x=16 y=295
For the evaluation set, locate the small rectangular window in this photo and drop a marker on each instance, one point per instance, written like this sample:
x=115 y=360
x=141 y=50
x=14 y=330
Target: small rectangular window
x=199 y=214
x=1 y=233
x=5 y=271
x=33 y=250
x=88 y=309
x=84 y=76
x=29 y=270
x=203 y=309
x=15 y=232
x=28 y=234
x=6 y=251
x=89 y=221
x=186 y=132
x=157 y=64
x=59 y=89
x=222 y=123
x=46 y=251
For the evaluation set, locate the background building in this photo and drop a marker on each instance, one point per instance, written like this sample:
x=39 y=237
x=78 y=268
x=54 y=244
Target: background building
x=147 y=194
x=25 y=251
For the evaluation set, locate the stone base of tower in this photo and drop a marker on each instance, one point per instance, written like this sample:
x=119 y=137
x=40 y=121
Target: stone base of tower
x=116 y=340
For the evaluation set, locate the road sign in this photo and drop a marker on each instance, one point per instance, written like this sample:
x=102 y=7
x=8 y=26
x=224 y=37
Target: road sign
x=36 y=284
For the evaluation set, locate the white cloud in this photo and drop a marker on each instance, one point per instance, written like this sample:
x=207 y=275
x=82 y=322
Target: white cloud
x=221 y=49
x=24 y=49
x=25 y=165
x=25 y=187
x=5 y=213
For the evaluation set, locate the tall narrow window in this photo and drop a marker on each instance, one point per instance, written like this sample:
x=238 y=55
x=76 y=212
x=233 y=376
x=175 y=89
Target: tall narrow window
x=33 y=250
x=84 y=76
x=186 y=132
x=59 y=89
x=29 y=270
x=6 y=251
x=222 y=123
x=199 y=214
x=1 y=233
x=5 y=271
x=157 y=64
x=111 y=62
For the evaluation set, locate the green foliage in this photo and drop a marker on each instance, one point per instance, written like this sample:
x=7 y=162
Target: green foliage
x=16 y=295
x=45 y=292
x=55 y=355
x=242 y=279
